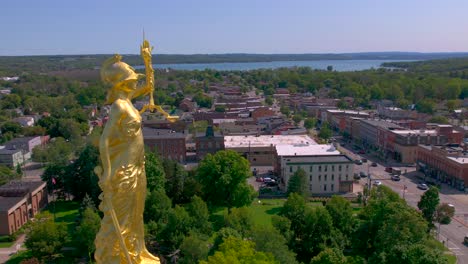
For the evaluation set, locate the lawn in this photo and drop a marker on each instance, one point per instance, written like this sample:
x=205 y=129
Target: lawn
x=6 y=244
x=262 y=211
x=65 y=212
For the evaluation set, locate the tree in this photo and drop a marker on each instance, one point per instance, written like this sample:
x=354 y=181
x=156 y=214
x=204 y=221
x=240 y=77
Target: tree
x=425 y=106
x=241 y=220
x=155 y=175
x=87 y=230
x=329 y=256
x=444 y=213
x=285 y=110
x=199 y=214
x=428 y=203
x=298 y=183
x=235 y=250
x=329 y=68
x=223 y=177
x=270 y=240
x=325 y=132
x=310 y=123
x=157 y=206
x=80 y=178
x=297 y=119
x=194 y=248
x=44 y=237
x=177 y=227
x=342 y=215
x=439 y=119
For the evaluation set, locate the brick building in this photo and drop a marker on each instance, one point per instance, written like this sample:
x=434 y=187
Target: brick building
x=168 y=143
x=19 y=202
x=208 y=143
x=447 y=163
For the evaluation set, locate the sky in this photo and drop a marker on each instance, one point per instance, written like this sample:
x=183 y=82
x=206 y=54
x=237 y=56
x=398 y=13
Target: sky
x=48 y=27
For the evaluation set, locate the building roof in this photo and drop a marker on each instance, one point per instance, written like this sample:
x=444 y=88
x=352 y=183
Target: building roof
x=19 y=188
x=5 y=151
x=266 y=140
x=351 y=112
x=324 y=159
x=380 y=123
x=415 y=132
x=6 y=203
x=306 y=150
x=154 y=133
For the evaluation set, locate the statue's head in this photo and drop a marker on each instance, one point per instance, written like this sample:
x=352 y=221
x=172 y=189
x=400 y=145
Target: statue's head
x=118 y=73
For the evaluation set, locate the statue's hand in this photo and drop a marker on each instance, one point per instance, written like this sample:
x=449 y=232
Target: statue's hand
x=145 y=51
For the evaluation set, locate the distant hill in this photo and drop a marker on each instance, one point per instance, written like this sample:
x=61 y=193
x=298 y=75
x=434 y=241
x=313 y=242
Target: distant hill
x=42 y=64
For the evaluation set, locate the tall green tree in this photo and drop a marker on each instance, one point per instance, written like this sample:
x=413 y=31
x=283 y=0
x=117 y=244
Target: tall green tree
x=342 y=215
x=444 y=213
x=235 y=250
x=87 y=230
x=44 y=237
x=428 y=203
x=223 y=177
x=155 y=175
x=329 y=256
x=298 y=183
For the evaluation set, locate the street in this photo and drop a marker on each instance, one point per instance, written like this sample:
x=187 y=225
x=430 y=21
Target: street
x=452 y=234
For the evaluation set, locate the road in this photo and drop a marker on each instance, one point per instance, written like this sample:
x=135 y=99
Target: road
x=451 y=234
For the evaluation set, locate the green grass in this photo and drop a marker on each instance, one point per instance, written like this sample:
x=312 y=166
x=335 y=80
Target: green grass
x=6 y=244
x=65 y=212
x=262 y=212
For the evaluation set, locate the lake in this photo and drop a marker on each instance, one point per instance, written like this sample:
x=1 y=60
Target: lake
x=338 y=65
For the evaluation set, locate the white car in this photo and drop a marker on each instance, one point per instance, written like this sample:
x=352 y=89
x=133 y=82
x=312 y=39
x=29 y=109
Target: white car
x=422 y=186
x=377 y=183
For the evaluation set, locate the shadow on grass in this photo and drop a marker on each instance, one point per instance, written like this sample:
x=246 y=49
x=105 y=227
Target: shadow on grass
x=273 y=211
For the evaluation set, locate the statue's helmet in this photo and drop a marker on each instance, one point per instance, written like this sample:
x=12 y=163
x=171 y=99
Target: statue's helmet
x=114 y=71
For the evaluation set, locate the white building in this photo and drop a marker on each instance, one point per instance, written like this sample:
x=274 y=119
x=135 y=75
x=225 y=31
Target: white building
x=328 y=171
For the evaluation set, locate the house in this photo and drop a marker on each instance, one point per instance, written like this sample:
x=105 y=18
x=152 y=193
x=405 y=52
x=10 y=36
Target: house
x=11 y=157
x=187 y=105
x=19 y=202
x=25 y=144
x=25 y=121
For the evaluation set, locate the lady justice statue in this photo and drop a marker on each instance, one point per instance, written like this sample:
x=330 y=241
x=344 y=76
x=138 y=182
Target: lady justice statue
x=122 y=175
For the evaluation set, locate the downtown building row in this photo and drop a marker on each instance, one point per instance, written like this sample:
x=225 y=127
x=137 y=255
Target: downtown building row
x=438 y=150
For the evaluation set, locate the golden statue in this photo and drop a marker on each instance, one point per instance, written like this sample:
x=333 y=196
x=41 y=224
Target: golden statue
x=122 y=175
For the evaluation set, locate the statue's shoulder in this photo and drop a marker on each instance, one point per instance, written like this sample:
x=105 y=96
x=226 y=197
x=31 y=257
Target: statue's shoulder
x=119 y=105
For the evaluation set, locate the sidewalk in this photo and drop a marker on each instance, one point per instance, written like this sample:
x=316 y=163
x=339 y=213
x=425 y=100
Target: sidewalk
x=5 y=253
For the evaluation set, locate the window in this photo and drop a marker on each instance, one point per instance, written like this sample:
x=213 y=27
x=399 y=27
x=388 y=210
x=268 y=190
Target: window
x=339 y=168
x=339 y=177
x=290 y=169
x=325 y=187
x=310 y=177
x=310 y=169
x=333 y=177
x=325 y=177
x=333 y=167
x=326 y=167
x=320 y=177
x=332 y=186
x=347 y=167
x=320 y=168
x=346 y=176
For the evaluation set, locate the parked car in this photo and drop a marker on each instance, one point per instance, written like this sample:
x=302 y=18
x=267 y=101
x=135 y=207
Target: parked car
x=362 y=174
x=364 y=160
x=356 y=176
x=422 y=186
x=259 y=179
x=358 y=162
x=466 y=240
x=373 y=164
x=395 y=178
x=388 y=169
x=377 y=183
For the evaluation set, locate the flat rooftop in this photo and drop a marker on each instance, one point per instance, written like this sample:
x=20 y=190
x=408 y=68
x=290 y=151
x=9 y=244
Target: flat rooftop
x=306 y=150
x=351 y=112
x=415 y=132
x=266 y=140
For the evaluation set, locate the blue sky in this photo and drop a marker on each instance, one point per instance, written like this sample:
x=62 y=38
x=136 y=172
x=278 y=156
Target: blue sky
x=44 y=27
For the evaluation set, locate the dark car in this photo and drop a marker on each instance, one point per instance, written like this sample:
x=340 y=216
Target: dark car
x=358 y=162
x=373 y=164
x=364 y=160
x=362 y=174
